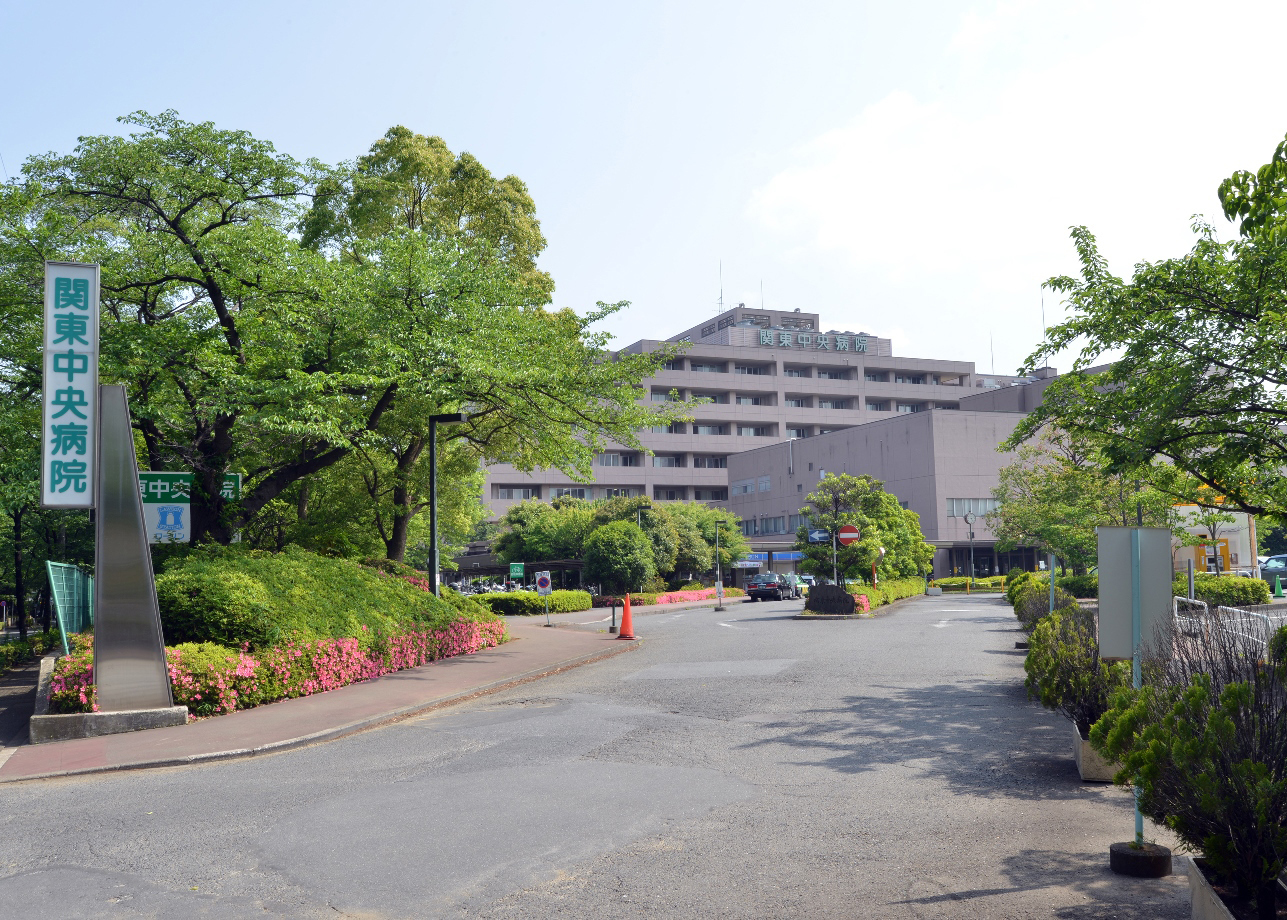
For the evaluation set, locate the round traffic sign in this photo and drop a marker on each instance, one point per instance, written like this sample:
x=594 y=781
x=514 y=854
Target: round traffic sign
x=542 y=581
x=848 y=534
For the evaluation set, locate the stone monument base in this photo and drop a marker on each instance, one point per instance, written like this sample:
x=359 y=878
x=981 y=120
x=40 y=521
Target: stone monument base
x=93 y=724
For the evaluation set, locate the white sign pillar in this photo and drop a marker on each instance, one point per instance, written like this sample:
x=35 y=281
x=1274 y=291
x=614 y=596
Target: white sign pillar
x=69 y=426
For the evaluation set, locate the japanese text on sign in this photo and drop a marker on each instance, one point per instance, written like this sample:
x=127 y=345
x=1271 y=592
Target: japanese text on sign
x=70 y=399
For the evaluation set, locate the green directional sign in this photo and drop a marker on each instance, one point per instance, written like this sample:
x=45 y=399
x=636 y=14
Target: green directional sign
x=167 y=504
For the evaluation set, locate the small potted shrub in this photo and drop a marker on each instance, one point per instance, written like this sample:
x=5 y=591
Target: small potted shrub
x=1066 y=674
x=1205 y=744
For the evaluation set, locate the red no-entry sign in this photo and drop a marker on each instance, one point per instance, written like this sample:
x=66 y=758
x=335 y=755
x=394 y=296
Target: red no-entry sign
x=848 y=534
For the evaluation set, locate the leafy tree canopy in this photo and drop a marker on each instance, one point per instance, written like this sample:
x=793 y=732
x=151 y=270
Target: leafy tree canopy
x=1199 y=381
x=842 y=500
x=244 y=350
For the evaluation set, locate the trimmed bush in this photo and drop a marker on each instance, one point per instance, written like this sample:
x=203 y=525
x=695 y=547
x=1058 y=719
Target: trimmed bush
x=233 y=598
x=1064 y=669
x=889 y=590
x=1223 y=590
x=1033 y=602
x=1016 y=585
x=529 y=603
x=1079 y=585
x=35 y=646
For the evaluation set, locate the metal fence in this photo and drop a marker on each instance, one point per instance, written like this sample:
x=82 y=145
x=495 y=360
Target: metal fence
x=73 y=593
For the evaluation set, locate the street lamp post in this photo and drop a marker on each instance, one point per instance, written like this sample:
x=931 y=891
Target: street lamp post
x=969 y=521
x=719 y=571
x=446 y=418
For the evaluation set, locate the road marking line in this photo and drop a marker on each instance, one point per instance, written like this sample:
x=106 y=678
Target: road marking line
x=731 y=626
x=941 y=623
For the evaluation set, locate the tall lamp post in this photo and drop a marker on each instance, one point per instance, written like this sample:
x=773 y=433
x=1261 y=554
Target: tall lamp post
x=969 y=522
x=719 y=571
x=446 y=418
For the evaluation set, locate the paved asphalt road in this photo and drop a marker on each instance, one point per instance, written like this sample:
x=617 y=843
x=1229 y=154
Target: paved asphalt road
x=737 y=764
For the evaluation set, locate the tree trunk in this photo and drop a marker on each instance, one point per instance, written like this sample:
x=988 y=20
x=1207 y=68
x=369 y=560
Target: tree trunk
x=19 y=601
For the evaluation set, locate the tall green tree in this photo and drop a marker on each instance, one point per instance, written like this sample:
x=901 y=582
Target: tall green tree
x=1056 y=492
x=842 y=500
x=244 y=350
x=1195 y=342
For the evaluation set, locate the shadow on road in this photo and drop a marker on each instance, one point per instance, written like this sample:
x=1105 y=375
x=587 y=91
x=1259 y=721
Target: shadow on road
x=983 y=738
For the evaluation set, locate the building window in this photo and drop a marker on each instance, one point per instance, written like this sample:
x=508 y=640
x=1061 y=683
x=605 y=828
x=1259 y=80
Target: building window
x=749 y=529
x=876 y=377
x=621 y=492
x=574 y=492
x=748 y=431
x=619 y=460
x=710 y=463
x=909 y=378
x=903 y=505
x=720 y=399
x=825 y=374
x=672 y=428
x=958 y=507
x=795 y=372
x=797 y=402
x=668 y=495
x=751 y=369
x=797 y=432
x=710 y=429
x=810 y=467
x=676 y=364
x=833 y=404
x=771 y=525
x=796 y=522
x=709 y=368
x=908 y=408
x=518 y=493
x=799 y=487
x=742 y=486
x=878 y=405
x=710 y=495
x=663 y=396
x=750 y=401
x=668 y=460
x=765 y=483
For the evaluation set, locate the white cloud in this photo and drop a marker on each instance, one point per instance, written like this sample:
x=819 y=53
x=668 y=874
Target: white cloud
x=962 y=199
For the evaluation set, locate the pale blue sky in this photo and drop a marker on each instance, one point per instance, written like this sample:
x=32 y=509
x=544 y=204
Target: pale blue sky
x=906 y=169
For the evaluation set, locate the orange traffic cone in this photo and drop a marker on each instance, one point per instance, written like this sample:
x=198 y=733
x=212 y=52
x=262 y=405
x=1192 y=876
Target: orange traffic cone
x=627 y=628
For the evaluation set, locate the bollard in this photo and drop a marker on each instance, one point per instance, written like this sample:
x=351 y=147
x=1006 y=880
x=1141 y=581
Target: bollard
x=613 y=627
x=627 y=627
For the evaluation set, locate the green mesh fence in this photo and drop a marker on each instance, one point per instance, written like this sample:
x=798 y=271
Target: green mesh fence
x=73 y=593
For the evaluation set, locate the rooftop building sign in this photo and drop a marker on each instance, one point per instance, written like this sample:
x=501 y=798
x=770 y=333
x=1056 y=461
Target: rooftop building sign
x=819 y=341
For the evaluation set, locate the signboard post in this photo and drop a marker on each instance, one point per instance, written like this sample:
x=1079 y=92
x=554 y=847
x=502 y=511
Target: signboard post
x=844 y=536
x=543 y=589
x=69 y=426
x=1135 y=599
x=516 y=572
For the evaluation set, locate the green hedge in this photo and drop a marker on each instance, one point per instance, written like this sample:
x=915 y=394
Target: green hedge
x=232 y=597
x=529 y=603
x=1079 y=585
x=1223 y=590
x=890 y=590
x=35 y=645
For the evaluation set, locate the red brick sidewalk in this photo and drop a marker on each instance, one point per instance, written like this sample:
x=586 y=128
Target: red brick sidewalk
x=534 y=652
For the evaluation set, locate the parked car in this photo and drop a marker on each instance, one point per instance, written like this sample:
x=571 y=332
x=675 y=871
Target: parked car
x=1274 y=567
x=772 y=587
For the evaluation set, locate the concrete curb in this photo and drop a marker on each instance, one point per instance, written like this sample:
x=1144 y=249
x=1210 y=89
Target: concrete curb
x=341 y=731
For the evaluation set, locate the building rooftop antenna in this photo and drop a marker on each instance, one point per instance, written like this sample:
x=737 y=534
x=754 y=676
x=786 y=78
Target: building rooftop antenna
x=721 y=285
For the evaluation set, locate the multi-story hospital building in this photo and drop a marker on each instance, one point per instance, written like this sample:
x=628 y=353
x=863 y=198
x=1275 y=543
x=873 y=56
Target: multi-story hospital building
x=779 y=378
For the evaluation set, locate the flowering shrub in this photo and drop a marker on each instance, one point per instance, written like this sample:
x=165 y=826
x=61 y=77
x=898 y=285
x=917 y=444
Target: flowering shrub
x=71 y=687
x=861 y=603
x=211 y=679
x=644 y=599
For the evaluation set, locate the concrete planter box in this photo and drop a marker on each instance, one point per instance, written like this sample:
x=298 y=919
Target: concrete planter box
x=936 y=591
x=1091 y=767
x=1206 y=903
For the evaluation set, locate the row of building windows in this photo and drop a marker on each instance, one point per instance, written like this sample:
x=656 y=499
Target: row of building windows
x=701 y=366
x=700 y=461
x=587 y=493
